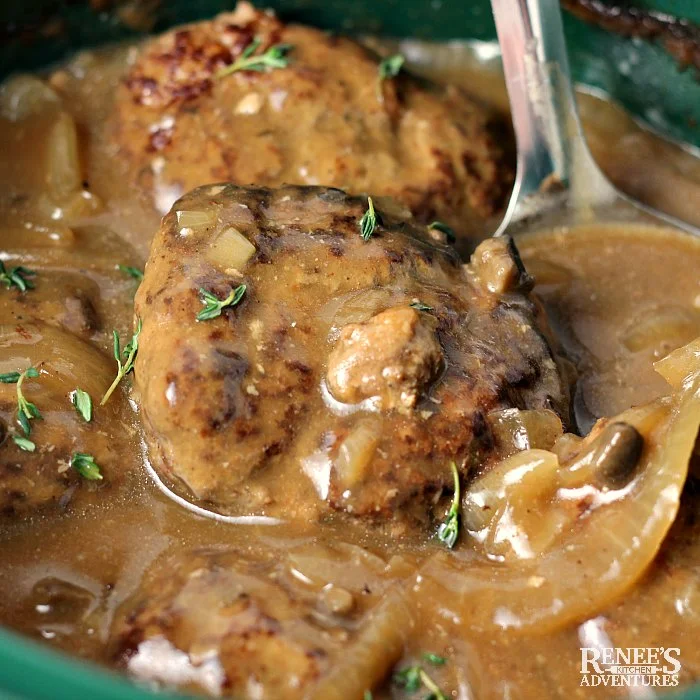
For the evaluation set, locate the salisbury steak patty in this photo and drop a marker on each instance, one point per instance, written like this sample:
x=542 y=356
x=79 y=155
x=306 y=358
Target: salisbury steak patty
x=42 y=476
x=235 y=625
x=324 y=119
x=366 y=365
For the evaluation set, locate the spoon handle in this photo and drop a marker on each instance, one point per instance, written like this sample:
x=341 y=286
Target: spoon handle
x=552 y=153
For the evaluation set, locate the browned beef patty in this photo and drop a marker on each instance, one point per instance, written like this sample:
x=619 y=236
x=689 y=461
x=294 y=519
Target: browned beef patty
x=235 y=625
x=350 y=373
x=30 y=480
x=325 y=119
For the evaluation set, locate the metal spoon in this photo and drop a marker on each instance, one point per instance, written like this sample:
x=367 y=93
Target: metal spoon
x=557 y=183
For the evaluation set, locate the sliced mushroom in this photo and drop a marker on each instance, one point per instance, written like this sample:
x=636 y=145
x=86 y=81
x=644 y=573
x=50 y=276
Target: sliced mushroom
x=608 y=461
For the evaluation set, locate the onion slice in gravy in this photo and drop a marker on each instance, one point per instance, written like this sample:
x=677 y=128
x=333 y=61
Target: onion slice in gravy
x=606 y=550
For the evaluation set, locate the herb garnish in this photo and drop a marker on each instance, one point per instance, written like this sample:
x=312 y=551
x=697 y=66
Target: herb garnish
x=435 y=659
x=443 y=228
x=389 y=68
x=413 y=677
x=16 y=277
x=369 y=221
x=26 y=410
x=448 y=532
x=129 y=355
x=24 y=443
x=420 y=306
x=213 y=306
x=274 y=57
x=133 y=272
x=367 y=695
x=86 y=466
x=83 y=403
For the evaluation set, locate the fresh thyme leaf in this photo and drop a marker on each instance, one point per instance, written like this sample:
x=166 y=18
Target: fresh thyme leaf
x=251 y=48
x=391 y=66
x=24 y=423
x=133 y=272
x=413 y=677
x=419 y=306
x=26 y=410
x=128 y=355
x=86 y=466
x=83 y=403
x=274 y=57
x=16 y=277
x=369 y=221
x=24 y=443
x=213 y=306
x=435 y=659
x=448 y=532
x=443 y=228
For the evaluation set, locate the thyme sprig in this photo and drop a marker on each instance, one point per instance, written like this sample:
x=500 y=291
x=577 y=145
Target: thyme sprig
x=420 y=306
x=274 y=57
x=128 y=355
x=369 y=221
x=388 y=68
x=130 y=271
x=413 y=677
x=213 y=306
x=448 y=532
x=16 y=277
x=26 y=410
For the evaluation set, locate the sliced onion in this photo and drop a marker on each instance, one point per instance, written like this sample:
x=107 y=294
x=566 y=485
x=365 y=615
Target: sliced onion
x=339 y=564
x=356 y=307
x=25 y=96
x=508 y=508
x=662 y=330
x=356 y=451
x=606 y=550
x=679 y=365
x=566 y=447
x=195 y=219
x=517 y=430
x=63 y=172
x=65 y=362
x=230 y=249
x=376 y=648
x=80 y=205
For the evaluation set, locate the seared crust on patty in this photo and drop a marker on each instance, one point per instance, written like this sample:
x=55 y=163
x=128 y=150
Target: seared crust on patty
x=236 y=624
x=231 y=400
x=325 y=119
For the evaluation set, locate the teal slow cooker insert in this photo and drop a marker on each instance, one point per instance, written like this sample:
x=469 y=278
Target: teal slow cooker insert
x=656 y=92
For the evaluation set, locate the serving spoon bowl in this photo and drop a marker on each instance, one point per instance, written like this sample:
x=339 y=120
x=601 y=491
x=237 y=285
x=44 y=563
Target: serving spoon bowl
x=558 y=184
